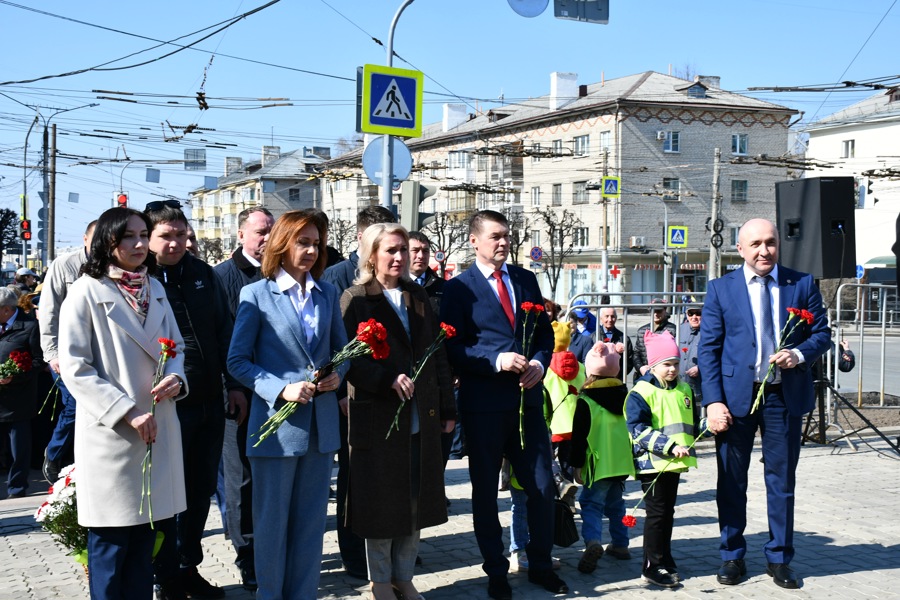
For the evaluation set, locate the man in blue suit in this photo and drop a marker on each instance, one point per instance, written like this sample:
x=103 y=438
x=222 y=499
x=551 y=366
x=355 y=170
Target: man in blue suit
x=743 y=314
x=484 y=305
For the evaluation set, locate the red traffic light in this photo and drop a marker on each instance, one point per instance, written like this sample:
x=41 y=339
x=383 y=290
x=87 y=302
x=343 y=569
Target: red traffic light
x=25 y=229
x=122 y=200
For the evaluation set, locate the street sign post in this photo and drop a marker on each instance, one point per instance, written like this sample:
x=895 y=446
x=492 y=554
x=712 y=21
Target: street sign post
x=677 y=236
x=536 y=254
x=612 y=187
x=391 y=101
x=440 y=256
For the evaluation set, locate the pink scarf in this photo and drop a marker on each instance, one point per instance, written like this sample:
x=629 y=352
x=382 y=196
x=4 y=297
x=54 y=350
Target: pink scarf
x=134 y=288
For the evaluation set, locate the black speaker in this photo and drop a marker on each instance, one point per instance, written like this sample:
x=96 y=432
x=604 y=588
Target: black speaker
x=816 y=224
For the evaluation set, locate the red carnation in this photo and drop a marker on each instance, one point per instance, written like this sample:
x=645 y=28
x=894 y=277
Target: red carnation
x=685 y=350
x=528 y=306
x=629 y=521
x=538 y=308
x=449 y=330
x=807 y=316
x=794 y=311
x=380 y=350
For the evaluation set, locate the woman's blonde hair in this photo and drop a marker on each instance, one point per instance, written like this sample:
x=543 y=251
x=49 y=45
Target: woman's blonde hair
x=368 y=247
x=285 y=232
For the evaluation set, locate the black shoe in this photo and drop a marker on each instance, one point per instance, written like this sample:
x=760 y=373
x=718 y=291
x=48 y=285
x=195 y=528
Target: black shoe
x=197 y=587
x=659 y=576
x=50 y=469
x=19 y=494
x=169 y=591
x=588 y=562
x=783 y=576
x=548 y=580
x=248 y=579
x=731 y=571
x=356 y=573
x=498 y=588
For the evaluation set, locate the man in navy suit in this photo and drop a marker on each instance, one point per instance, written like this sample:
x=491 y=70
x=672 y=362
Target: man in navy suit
x=743 y=315
x=484 y=304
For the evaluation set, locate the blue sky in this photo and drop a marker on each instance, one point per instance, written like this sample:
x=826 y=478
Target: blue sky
x=477 y=50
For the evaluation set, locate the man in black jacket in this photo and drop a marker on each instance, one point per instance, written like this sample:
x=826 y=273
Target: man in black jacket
x=254 y=225
x=199 y=305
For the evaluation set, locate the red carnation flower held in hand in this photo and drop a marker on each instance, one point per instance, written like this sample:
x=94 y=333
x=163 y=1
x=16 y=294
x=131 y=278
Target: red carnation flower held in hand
x=629 y=521
x=685 y=350
x=528 y=306
x=538 y=308
x=794 y=314
x=449 y=330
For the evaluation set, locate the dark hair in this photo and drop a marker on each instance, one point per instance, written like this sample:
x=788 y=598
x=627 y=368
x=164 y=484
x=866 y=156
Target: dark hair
x=373 y=214
x=90 y=226
x=166 y=214
x=108 y=233
x=486 y=215
x=285 y=232
x=245 y=214
x=420 y=237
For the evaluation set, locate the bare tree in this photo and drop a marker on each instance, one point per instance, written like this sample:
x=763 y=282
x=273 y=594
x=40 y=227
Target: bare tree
x=686 y=71
x=519 y=232
x=348 y=144
x=9 y=230
x=341 y=234
x=560 y=229
x=212 y=250
x=449 y=232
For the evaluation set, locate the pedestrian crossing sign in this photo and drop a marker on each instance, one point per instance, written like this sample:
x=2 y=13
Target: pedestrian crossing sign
x=391 y=101
x=612 y=187
x=677 y=236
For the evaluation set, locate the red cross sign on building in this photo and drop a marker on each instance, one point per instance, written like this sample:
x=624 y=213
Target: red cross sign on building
x=615 y=271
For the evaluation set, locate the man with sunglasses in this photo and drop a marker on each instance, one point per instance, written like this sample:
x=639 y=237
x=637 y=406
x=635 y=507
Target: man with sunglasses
x=688 y=340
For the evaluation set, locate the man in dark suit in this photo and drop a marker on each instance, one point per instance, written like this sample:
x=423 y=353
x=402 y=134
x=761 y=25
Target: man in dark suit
x=743 y=314
x=495 y=374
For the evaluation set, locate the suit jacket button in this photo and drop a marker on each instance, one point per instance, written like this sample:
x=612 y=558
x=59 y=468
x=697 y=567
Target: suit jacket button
x=431 y=413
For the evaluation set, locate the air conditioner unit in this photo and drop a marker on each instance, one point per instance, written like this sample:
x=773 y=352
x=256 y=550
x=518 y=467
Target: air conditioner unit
x=661 y=135
x=637 y=241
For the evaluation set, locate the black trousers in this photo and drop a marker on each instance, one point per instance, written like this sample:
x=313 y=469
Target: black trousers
x=659 y=504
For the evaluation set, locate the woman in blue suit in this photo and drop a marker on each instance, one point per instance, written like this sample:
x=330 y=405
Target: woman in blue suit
x=288 y=325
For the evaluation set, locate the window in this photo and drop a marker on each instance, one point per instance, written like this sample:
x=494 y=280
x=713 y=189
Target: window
x=556 y=196
x=696 y=91
x=537 y=153
x=738 y=190
x=556 y=149
x=459 y=160
x=338 y=185
x=739 y=143
x=481 y=163
x=294 y=195
x=604 y=141
x=581 y=237
x=734 y=236
x=582 y=145
x=673 y=142
x=536 y=196
x=604 y=239
x=671 y=188
x=580 y=193
x=536 y=237
x=481 y=202
x=848 y=149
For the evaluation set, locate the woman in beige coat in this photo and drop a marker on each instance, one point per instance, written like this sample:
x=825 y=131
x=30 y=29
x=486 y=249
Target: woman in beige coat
x=110 y=325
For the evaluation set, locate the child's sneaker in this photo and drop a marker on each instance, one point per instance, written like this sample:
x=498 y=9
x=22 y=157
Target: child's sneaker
x=588 y=562
x=619 y=552
x=522 y=562
x=659 y=576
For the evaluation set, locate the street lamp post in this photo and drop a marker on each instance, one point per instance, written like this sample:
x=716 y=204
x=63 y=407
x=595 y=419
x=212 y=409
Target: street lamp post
x=24 y=209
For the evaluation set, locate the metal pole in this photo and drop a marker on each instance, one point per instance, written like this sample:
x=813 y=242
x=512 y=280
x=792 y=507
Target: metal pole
x=24 y=209
x=45 y=173
x=50 y=244
x=387 y=157
x=714 y=267
x=604 y=257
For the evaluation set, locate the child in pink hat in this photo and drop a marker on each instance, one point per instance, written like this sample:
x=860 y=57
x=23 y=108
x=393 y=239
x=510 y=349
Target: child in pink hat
x=663 y=420
x=601 y=455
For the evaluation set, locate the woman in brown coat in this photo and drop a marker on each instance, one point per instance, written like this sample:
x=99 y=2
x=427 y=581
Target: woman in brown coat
x=396 y=480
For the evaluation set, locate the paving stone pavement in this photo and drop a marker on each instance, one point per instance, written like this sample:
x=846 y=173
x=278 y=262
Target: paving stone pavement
x=847 y=540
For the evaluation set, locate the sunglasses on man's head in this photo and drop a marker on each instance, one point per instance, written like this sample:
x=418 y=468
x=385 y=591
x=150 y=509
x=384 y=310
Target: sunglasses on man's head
x=160 y=204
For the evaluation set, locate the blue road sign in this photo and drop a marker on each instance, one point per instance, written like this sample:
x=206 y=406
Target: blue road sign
x=860 y=271
x=536 y=254
x=392 y=101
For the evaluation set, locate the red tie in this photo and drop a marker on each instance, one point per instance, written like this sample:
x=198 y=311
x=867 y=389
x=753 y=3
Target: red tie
x=505 y=302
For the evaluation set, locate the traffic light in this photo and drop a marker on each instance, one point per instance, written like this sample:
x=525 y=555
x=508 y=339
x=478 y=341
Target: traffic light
x=122 y=200
x=25 y=229
x=411 y=195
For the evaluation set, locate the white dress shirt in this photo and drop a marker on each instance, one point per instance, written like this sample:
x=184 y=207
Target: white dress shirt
x=301 y=299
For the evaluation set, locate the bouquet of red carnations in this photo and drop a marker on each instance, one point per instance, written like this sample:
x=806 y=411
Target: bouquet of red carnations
x=19 y=361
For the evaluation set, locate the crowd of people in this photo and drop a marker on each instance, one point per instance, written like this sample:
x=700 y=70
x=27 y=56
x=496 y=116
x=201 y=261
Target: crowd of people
x=540 y=405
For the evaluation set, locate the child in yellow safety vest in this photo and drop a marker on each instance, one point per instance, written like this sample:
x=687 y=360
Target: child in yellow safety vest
x=601 y=455
x=663 y=420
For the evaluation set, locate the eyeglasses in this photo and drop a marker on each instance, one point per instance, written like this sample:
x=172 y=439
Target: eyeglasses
x=693 y=313
x=160 y=204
